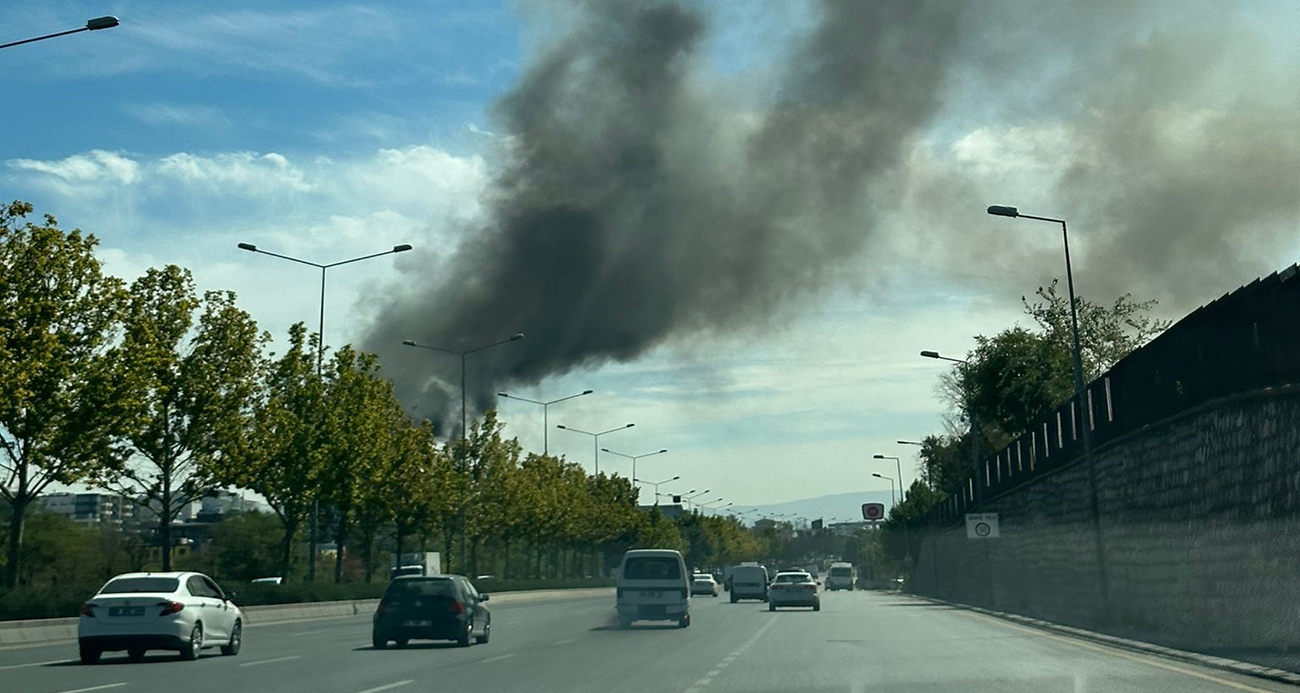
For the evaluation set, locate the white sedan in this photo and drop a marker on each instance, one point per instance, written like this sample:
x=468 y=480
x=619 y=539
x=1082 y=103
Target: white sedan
x=136 y=612
x=703 y=583
x=793 y=588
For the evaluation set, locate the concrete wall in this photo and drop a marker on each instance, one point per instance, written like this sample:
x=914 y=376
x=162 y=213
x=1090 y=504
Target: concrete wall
x=1200 y=524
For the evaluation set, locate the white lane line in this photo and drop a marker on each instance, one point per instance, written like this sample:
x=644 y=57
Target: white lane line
x=388 y=686
x=37 y=664
x=498 y=658
x=95 y=688
x=566 y=642
x=269 y=661
x=714 y=673
x=703 y=682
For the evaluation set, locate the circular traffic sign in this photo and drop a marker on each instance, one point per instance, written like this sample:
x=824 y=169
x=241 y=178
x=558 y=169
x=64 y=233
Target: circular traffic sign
x=983 y=529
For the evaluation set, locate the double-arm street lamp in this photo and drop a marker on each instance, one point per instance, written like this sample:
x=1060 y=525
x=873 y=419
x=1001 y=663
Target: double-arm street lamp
x=634 y=458
x=970 y=411
x=320 y=351
x=546 y=432
x=655 y=484
x=689 y=504
x=595 y=439
x=463 y=354
x=92 y=25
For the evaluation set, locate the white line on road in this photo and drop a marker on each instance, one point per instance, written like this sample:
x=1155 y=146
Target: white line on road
x=387 y=686
x=36 y=664
x=95 y=688
x=268 y=661
x=566 y=642
x=498 y=658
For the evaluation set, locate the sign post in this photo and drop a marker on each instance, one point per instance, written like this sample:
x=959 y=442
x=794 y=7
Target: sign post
x=873 y=511
x=982 y=526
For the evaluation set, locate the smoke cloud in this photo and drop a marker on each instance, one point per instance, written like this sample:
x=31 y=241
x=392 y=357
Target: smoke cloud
x=643 y=199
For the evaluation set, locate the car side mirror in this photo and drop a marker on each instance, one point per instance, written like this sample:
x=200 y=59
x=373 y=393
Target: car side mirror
x=230 y=596
x=483 y=597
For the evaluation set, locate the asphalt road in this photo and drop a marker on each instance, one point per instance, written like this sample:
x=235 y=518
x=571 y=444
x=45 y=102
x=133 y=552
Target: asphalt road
x=859 y=641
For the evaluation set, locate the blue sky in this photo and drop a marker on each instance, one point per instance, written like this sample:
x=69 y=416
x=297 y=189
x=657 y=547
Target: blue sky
x=329 y=130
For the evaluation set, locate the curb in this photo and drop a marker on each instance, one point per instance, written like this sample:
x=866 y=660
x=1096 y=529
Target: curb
x=1210 y=661
x=51 y=630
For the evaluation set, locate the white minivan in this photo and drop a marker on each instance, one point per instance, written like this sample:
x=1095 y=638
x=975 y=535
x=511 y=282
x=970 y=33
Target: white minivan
x=653 y=585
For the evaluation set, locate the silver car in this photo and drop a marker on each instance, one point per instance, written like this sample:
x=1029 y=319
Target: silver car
x=180 y=611
x=793 y=588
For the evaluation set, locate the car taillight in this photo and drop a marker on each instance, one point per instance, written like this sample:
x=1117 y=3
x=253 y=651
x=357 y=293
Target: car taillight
x=87 y=609
x=456 y=608
x=170 y=607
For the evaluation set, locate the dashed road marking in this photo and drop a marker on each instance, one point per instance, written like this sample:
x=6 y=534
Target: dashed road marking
x=566 y=642
x=99 y=688
x=387 y=686
x=498 y=658
x=699 y=685
x=37 y=664
x=269 y=661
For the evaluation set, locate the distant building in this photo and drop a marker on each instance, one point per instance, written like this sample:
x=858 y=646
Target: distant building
x=220 y=504
x=671 y=512
x=847 y=528
x=91 y=509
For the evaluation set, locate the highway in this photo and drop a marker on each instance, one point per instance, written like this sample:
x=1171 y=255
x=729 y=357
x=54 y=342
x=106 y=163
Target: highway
x=859 y=641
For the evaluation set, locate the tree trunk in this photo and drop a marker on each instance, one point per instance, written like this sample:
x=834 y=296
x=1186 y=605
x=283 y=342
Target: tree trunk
x=165 y=519
x=286 y=547
x=399 y=539
x=505 y=567
x=17 y=518
x=339 y=538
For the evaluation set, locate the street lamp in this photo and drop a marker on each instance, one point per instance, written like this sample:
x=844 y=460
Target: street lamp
x=320 y=348
x=655 y=484
x=92 y=25
x=634 y=458
x=910 y=442
x=322 y=267
x=1084 y=409
x=595 y=439
x=717 y=509
x=890 y=479
x=546 y=433
x=1004 y=211
x=464 y=425
x=898 y=464
x=970 y=410
x=688 y=499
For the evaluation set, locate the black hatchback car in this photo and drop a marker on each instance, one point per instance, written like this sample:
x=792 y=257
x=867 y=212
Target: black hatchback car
x=436 y=607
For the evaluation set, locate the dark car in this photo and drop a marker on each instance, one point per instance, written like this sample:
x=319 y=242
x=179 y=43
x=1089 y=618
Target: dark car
x=438 y=607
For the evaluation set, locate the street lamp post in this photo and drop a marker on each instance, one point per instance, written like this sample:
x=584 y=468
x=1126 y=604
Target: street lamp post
x=320 y=353
x=899 y=465
x=595 y=439
x=890 y=479
x=655 y=484
x=546 y=433
x=464 y=422
x=634 y=458
x=92 y=25
x=715 y=511
x=689 y=504
x=970 y=411
x=1080 y=396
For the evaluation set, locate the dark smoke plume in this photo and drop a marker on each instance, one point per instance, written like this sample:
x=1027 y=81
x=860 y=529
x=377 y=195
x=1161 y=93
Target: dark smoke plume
x=638 y=206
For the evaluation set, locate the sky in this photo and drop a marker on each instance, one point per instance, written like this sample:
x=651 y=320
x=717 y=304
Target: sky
x=330 y=130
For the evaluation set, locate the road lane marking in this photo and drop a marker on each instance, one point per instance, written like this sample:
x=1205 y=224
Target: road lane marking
x=698 y=686
x=715 y=672
x=385 y=687
x=37 y=664
x=566 y=642
x=1149 y=660
x=268 y=661
x=95 y=688
x=498 y=658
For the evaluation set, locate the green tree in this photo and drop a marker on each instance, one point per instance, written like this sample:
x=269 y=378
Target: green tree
x=244 y=547
x=65 y=400
x=280 y=452
x=195 y=391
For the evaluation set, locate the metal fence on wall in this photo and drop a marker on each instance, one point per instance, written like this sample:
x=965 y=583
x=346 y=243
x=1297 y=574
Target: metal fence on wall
x=1246 y=340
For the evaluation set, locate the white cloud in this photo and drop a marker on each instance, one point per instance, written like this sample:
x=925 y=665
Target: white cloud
x=237 y=172
x=178 y=114
x=95 y=167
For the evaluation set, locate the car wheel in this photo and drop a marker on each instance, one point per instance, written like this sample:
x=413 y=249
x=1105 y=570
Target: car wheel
x=624 y=622
x=487 y=632
x=771 y=606
x=684 y=621
x=195 y=645
x=135 y=654
x=89 y=653
x=236 y=640
x=378 y=642
x=465 y=640
x=401 y=642
x=817 y=607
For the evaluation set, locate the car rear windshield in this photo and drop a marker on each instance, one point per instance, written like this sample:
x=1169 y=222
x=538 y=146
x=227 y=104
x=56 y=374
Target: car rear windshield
x=841 y=572
x=421 y=588
x=652 y=568
x=141 y=584
x=794 y=577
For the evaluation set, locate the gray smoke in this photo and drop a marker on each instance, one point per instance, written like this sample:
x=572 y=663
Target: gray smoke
x=639 y=205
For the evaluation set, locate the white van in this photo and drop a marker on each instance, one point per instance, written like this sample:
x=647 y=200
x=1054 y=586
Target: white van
x=748 y=581
x=841 y=577
x=653 y=585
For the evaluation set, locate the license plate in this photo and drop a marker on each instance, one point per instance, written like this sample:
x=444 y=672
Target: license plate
x=653 y=594
x=417 y=624
x=126 y=611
